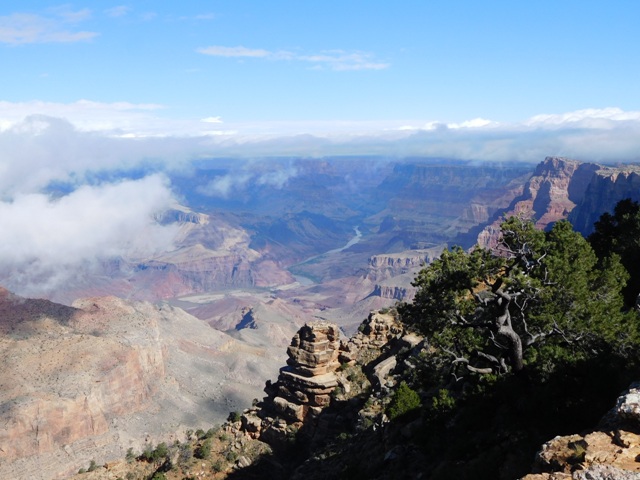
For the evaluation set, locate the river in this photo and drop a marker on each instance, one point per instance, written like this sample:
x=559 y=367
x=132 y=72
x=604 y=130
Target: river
x=309 y=281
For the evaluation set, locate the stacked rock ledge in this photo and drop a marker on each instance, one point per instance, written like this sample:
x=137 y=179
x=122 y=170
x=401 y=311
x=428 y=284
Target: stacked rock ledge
x=304 y=386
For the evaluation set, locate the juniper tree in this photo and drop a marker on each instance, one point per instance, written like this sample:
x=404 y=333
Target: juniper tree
x=537 y=299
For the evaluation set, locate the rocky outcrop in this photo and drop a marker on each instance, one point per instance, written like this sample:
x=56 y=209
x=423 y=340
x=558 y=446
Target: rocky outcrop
x=561 y=188
x=552 y=192
x=377 y=330
x=390 y=292
x=303 y=388
x=611 y=453
x=606 y=188
x=384 y=267
x=305 y=384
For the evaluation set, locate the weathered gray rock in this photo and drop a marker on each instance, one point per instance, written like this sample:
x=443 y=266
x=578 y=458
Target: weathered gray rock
x=377 y=330
x=628 y=405
x=605 y=472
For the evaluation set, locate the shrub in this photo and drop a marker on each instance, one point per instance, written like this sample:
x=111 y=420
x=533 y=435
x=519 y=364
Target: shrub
x=234 y=417
x=404 y=401
x=217 y=466
x=92 y=466
x=161 y=451
x=185 y=453
x=443 y=402
x=130 y=457
x=203 y=452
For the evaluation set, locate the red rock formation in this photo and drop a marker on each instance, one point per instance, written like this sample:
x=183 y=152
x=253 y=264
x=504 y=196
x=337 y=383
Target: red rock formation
x=551 y=193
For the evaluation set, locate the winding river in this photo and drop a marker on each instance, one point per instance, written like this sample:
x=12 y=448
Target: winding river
x=308 y=281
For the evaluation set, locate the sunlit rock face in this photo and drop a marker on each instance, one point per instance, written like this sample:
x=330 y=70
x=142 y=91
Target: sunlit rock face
x=561 y=188
x=305 y=384
x=90 y=380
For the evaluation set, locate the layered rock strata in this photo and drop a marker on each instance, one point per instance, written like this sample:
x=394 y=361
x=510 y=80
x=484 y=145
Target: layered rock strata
x=377 y=330
x=562 y=188
x=304 y=386
x=555 y=188
x=307 y=381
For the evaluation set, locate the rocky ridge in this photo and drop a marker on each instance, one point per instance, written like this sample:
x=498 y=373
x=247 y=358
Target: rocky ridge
x=561 y=188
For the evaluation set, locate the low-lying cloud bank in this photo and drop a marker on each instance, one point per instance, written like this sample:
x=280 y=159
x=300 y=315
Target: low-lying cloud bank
x=46 y=242
x=65 y=204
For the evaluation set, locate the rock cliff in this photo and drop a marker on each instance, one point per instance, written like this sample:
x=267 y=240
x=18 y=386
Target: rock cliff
x=605 y=189
x=562 y=188
x=435 y=201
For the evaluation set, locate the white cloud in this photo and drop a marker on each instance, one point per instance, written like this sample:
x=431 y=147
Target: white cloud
x=212 y=120
x=341 y=61
x=224 y=185
x=118 y=11
x=277 y=178
x=45 y=241
x=338 y=60
x=66 y=14
x=274 y=174
x=23 y=28
x=590 y=117
x=218 y=51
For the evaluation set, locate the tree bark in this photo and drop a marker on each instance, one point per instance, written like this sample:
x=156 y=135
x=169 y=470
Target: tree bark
x=514 y=344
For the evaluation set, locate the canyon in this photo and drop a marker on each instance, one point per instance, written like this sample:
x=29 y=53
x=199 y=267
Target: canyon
x=152 y=345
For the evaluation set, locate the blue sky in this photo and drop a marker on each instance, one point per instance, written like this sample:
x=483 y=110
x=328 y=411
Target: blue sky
x=295 y=66
x=105 y=86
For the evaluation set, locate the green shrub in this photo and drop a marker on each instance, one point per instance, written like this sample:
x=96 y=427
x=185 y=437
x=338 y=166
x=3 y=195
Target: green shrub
x=203 y=452
x=404 y=401
x=153 y=455
x=217 y=466
x=130 y=457
x=443 y=402
x=92 y=466
x=234 y=417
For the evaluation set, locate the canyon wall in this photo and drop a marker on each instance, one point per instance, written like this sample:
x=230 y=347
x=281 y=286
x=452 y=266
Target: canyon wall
x=562 y=188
